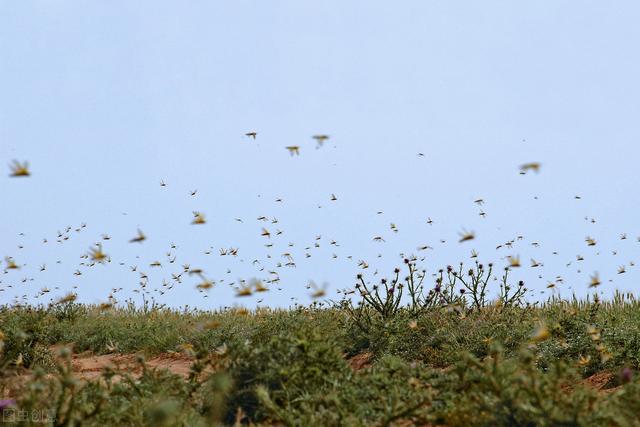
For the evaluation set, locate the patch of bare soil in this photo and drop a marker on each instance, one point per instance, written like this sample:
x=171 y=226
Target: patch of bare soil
x=601 y=381
x=90 y=366
x=360 y=361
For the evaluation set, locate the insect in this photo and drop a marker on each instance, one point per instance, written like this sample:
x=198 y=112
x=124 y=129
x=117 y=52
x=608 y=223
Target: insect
x=293 y=150
x=258 y=285
x=318 y=292
x=244 y=291
x=198 y=218
x=19 y=169
x=139 y=238
x=205 y=285
x=251 y=134
x=514 y=262
x=320 y=139
x=465 y=236
x=11 y=264
x=97 y=254
x=540 y=334
x=71 y=297
x=533 y=166
x=584 y=360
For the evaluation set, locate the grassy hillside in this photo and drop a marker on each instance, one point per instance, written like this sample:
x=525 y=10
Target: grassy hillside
x=562 y=363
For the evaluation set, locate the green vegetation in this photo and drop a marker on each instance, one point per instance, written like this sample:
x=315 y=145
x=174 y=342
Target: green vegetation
x=443 y=358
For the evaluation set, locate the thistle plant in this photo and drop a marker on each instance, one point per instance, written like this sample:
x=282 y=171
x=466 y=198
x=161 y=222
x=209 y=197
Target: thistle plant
x=474 y=286
x=453 y=289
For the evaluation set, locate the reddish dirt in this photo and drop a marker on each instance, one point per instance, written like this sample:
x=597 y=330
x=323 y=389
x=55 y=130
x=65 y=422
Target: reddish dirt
x=360 y=361
x=601 y=382
x=90 y=366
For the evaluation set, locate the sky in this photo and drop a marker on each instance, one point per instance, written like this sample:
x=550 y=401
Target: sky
x=106 y=99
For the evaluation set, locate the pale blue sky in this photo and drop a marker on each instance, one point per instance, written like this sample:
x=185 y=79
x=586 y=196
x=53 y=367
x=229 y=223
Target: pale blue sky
x=106 y=98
